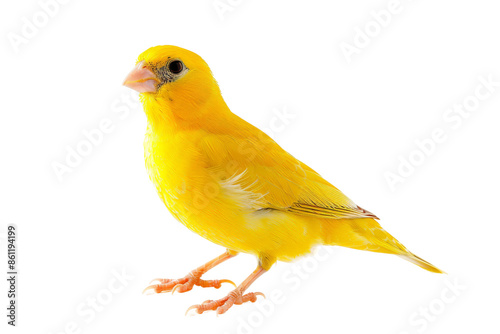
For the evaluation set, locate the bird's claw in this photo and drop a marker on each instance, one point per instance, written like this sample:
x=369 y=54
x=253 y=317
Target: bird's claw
x=227 y=281
x=260 y=294
x=224 y=304
x=150 y=287
x=175 y=287
x=183 y=284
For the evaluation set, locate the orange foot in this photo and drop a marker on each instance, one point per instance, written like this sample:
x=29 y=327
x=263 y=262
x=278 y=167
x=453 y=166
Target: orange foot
x=184 y=284
x=222 y=305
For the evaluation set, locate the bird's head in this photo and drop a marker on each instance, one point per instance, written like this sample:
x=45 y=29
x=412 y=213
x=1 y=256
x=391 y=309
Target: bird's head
x=173 y=82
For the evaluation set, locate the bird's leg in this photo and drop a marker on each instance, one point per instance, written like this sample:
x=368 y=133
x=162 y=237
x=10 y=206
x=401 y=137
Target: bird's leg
x=193 y=278
x=234 y=297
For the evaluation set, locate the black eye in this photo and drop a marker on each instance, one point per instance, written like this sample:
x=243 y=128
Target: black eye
x=176 y=67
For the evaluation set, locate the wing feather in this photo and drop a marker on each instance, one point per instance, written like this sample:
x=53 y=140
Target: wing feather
x=282 y=182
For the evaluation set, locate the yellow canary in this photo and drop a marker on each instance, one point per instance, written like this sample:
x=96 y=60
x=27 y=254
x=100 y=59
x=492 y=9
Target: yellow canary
x=232 y=184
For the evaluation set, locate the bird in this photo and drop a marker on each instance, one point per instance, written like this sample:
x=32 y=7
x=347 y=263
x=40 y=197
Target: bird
x=232 y=184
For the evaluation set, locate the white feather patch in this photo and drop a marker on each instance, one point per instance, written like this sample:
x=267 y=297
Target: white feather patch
x=245 y=197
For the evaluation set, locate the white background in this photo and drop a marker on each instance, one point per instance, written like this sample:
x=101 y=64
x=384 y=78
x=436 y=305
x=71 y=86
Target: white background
x=352 y=120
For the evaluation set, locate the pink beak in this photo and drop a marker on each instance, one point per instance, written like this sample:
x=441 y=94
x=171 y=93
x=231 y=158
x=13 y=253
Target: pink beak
x=141 y=79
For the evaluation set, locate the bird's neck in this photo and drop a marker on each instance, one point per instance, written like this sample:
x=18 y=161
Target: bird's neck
x=166 y=117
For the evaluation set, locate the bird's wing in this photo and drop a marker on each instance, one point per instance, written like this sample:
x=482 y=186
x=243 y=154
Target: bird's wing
x=283 y=182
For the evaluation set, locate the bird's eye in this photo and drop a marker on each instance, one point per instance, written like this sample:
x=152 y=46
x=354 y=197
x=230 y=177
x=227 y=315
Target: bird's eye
x=176 y=67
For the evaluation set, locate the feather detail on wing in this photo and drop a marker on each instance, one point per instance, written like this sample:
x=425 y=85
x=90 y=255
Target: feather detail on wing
x=331 y=212
x=242 y=195
x=281 y=182
x=308 y=194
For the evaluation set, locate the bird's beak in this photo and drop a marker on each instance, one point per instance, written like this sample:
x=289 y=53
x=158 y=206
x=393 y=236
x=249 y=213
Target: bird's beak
x=141 y=79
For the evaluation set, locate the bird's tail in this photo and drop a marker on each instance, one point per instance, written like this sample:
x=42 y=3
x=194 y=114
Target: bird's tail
x=367 y=234
x=421 y=263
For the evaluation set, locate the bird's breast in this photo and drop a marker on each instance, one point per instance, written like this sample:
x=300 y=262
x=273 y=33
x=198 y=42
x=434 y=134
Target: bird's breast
x=170 y=164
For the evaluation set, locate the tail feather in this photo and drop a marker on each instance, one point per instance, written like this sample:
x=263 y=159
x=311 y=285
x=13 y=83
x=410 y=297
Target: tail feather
x=421 y=263
x=367 y=234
